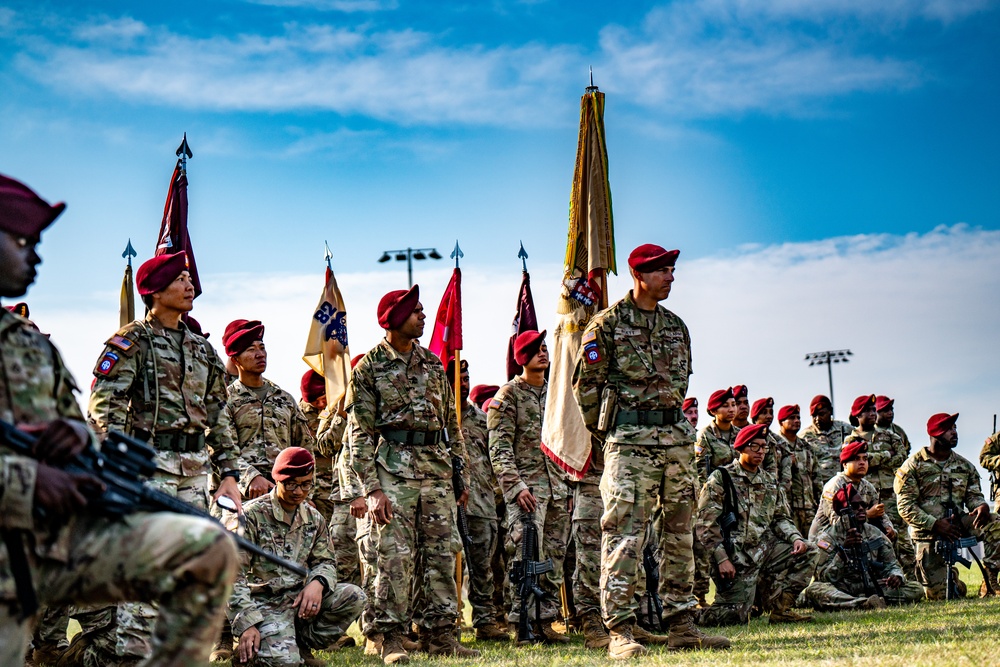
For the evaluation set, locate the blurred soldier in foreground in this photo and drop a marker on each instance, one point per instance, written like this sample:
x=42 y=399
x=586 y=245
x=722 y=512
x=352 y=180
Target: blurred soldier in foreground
x=825 y=435
x=761 y=548
x=73 y=556
x=630 y=381
x=989 y=458
x=854 y=458
x=798 y=465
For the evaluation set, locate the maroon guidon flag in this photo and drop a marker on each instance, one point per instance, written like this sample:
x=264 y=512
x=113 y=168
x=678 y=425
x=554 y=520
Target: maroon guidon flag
x=524 y=320
x=447 y=335
x=174 y=235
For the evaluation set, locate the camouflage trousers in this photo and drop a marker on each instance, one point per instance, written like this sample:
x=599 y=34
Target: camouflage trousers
x=702 y=569
x=803 y=519
x=825 y=596
x=552 y=520
x=283 y=633
x=499 y=565
x=587 y=510
x=322 y=495
x=419 y=542
x=931 y=571
x=636 y=478
x=778 y=572
x=185 y=562
x=125 y=630
x=903 y=544
x=343 y=529
x=483 y=535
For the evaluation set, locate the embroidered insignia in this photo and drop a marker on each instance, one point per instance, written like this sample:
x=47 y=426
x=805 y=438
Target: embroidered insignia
x=698 y=449
x=583 y=293
x=626 y=331
x=107 y=362
x=337 y=328
x=494 y=404
x=828 y=495
x=823 y=544
x=121 y=342
x=589 y=336
x=592 y=353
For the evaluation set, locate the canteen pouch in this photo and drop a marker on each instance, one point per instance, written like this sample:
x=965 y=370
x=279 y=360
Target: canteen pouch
x=609 y=408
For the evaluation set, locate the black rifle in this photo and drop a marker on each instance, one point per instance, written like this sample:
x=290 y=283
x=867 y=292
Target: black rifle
x=457 y=465
x=123 y=464
x=949 y=551
x=650 y=605
x=728 y=522
x=524 y=575
x=860 y=557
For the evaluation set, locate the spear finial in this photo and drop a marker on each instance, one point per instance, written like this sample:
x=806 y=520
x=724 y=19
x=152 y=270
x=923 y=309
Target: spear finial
x=522 y=255
x=184 y=152
x=129 y=253
x=328 y=255
x=591 y=88
x=457 y=254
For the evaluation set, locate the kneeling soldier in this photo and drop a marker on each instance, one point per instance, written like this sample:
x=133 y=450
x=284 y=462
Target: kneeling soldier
x=279 y=621
x=747 y=530
x=854 y=459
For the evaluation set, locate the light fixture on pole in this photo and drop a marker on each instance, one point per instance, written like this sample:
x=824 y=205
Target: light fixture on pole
x=408 y=255
x=829 y=357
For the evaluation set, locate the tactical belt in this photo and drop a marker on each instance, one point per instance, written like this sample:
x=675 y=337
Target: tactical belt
x=413 y=437
x=173 y=441
x=667 y=417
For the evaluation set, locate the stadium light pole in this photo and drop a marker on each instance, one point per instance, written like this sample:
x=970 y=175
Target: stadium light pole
x=408 y=255
x=829 y=358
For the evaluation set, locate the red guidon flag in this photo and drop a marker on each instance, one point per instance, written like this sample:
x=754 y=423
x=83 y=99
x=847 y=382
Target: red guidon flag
x=524 y=320
x=174 y=235
x=447 y=335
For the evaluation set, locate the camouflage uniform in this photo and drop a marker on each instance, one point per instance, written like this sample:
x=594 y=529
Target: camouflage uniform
x=989 y=458
x=648 y=368
x=886 y=453
x=326 y=474
x=343 y=527
x=762 y=545
x=825 y=514
x=263 y=592
x=826 y=448
x=586 y=535
x=898 y=430
x=923 y=486
x=482 y=514
x=262 y=428
x=772 y=461
x=394 y=393
x=164 y=386
x=514 y=418
x=90 y=558
x=798 y=464
x=713 y=449
x=839 y=586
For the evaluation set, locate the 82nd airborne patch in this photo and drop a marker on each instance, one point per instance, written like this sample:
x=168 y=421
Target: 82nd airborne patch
x=592 y=353
x=107 y=362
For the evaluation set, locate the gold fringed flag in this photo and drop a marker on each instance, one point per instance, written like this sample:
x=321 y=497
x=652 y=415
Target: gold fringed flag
x=590 y=255
x=326 y=348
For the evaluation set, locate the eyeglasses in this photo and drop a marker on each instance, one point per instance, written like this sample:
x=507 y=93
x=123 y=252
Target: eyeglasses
x=292 y=486
x=755 y=448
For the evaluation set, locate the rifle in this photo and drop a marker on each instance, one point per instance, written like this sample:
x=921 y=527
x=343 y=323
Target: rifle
x=650 y=614
x=124 y=464
x=457 y=466
x=949 y=551
x=524 y=575
x=860 y=556
x=728 y=522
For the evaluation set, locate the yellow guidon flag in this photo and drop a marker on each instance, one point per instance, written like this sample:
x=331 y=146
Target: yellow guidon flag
x=326 y=348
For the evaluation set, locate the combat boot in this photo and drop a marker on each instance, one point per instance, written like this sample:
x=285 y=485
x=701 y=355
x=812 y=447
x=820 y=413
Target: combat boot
x=442 y=642
x=223 y=650
x=622 y=644
x=991 y=576
x=489 y=632
x=308 y=659
x=782 y=611
x=647 y=638
x=344 y=641
x=553 y=636
x=684 y=634
x=45 y=656
x=595 y=635
x=874 y=602
x=373 y=644
x=391 y=650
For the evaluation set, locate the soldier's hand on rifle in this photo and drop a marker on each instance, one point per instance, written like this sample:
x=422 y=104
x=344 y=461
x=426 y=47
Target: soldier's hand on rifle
x=359 y=508
x=60 y=493
x=59 y=441
x=309 y=599
x=980 y=516
x=893 y=581
x=249 y=644
x=727 y=570
x=853 y=538
x=943 y=528
x=526 y=501
x=799 y=547
x=229 y=489
x=380 y=507
x=890 y=532
x=463 y=499
x=258 y=487
x=875 y=511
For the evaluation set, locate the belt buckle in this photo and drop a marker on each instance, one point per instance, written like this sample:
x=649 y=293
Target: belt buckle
x=417 y=437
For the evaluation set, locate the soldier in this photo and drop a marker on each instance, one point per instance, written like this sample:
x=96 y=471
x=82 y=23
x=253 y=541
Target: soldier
x=886 y=452
x=280 y=621
x=527 y=477
x=933 y=480
x=884 y=406
x=76 y=556
x=762 y=412
x=742 y=416
x=989 y=458
x=714 y=446
x=839 y=584
x=854 y=458
x=690 y=410
x=481 y=511
x=798 y=465
x=588 y=507
x=630 y=381
x=764 y=548
x=312 y=404
x=159 y=381
x=825 y=435
x=400 y=409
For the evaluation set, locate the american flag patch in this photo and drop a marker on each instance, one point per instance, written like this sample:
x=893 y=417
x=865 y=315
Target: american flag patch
x=121 y=342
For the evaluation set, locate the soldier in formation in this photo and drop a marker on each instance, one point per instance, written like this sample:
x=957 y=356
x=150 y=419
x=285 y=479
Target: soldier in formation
x=690 y=409
x=714 y=446
x=854 y=459
x=825 y=435
x=762 y=412
x=798 y=466
x=742 y=397
x=886 y=410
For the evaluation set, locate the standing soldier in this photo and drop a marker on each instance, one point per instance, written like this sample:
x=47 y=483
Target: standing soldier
x=932 y=481
x=762 y=412
x=741 y=396
x=714 y=447
x=400 y=415
x=762 y=548
x=159 y=381
x=74 y=556
x=854 y=458
x=690 y=410
x=825 y=436
x=886 y=453
x=798 y=465
x=630 y=381
x=312 y=404
x=989 y=458
x=481 y=511
x=527 y=477
x=884 y=406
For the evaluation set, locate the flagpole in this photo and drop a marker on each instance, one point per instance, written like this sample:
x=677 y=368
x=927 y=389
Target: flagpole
x=457 y=255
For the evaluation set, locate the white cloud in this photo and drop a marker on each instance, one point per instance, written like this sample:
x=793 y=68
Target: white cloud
x=346 y=6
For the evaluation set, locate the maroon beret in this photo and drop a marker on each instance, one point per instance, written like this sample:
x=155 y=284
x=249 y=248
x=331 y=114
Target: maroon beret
x=312 y=386
x=482 y=393
x=759 y=405
x=852 y=448
x=860 y=403
x=355 y=359
x=748 y=434
x=157 y=273
x=842 y=498
x=883 y=403
x=194 y=325
x=718 y=399
x=787 y=411
x=396 y=306
x=237 y=325
x=526 y=346
x=19 y=309
x=649 y=257
x=238 y=341
x=292 y=462
x=740 y=391
x=939 y=423
x=690 y=402
x=22 y=212
x=818 y=401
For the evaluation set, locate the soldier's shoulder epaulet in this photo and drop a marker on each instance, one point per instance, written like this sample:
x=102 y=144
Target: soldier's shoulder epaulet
x=127 y=338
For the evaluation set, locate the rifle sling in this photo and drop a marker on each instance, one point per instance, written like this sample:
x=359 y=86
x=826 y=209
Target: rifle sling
x=26 y=597
x=729 y=498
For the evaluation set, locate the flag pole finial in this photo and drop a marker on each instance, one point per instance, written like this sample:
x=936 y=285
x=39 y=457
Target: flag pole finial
x=327 y=255
x=522 y=255
x=129 y=253
x=457 y=253
x=184 y=152
x=591 y=88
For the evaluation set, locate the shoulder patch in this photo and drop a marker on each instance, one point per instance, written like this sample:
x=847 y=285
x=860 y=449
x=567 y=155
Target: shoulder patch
x=592 y=353
x=823 y=544
x=589 y=336
x=121 y=343
x=106 y=364
x=698 y=449
x=494 y=404
x=828 y=495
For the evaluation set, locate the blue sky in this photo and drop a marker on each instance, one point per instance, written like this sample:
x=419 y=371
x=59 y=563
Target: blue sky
x=791 y=132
